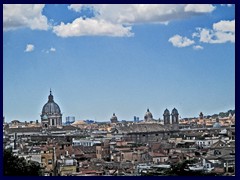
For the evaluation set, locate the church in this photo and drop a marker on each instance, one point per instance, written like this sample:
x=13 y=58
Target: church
x=169 y=123
x=51 y=114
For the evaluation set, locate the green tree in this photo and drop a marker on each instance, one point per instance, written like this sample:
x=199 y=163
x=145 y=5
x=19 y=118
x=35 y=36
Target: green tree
x=178 y=170
x=14 y=166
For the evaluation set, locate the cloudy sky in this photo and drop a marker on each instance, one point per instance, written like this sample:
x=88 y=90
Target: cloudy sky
x=123 y=59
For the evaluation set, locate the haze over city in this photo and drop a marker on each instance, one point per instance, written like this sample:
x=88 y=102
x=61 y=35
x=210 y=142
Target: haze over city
x=121 y=59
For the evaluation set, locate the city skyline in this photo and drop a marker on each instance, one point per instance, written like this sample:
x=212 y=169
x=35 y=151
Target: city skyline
x=105 y=59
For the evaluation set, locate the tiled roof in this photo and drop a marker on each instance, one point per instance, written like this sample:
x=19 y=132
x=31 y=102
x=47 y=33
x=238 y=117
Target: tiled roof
x=25 y=129
x=218 y=144
x=153 y=154
x=64 y=128
x=141 y=128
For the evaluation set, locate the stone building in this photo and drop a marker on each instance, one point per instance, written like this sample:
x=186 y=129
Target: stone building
x=143 y=133
x=166 y=119
x=175 y=119
x=51 y=114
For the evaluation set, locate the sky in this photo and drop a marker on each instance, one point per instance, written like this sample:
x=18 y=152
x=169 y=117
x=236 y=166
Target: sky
x=122 y=59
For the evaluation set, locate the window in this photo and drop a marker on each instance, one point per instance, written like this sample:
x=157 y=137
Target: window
x=50 y=161
x=156 y=134
x=217 y=152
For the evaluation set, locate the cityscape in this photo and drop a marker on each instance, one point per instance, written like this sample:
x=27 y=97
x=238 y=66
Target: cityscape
x=119 y=90
x=127 y=148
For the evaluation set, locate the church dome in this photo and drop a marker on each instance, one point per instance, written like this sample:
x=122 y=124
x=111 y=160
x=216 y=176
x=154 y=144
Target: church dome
x=216 y=125
x=114 y=119
x=174 y=111
x=166 y=112
x=148 y=115
x=51 y=107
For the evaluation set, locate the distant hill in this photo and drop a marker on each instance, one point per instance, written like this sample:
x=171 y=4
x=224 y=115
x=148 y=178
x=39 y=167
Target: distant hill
x=222 y=114
x=214 y=116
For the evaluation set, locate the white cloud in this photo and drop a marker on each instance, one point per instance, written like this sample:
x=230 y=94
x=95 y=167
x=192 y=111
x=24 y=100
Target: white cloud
x=225 y=26
x=143 y=13
x=86 y=27
x=76 y=7
x=199 y=8
x=179 y=41
x=29 y=48
x=228 y=5
x=117 y=19
x=222 y=32
x=24 y=15
x=197 y=47
x=52 y=49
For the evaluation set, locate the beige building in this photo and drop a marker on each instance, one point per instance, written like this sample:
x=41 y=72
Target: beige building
x=47 y=160
x=66 y=166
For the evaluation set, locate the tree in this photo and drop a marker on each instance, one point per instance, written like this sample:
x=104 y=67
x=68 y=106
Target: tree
x=15 y=166
x=179 y=170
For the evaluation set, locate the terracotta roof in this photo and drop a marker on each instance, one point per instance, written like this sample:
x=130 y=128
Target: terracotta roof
x=153 y=154
x=141 y=128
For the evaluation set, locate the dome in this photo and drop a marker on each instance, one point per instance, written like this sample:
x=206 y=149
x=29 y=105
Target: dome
x=174 y=111
x=216 y=125
x=166 y=112
x=79 y=122
x=51 y=107
x=148 y=114
x=114 y=117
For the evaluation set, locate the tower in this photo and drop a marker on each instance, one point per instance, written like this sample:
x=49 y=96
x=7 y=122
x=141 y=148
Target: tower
x=201 y=115
x=175 y=121
x=166 y=118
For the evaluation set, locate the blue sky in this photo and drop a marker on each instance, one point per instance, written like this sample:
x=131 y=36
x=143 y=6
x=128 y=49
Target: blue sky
x=123 y=59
